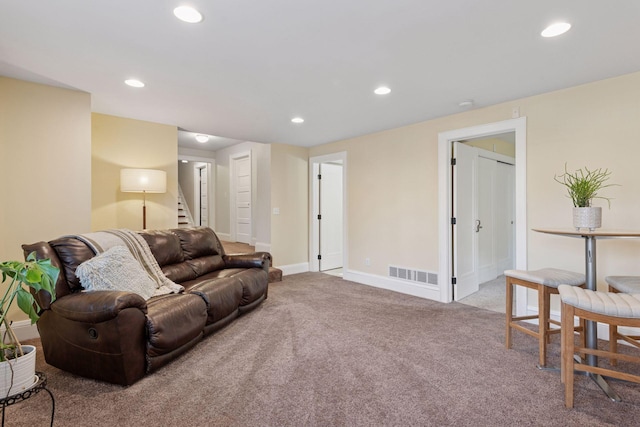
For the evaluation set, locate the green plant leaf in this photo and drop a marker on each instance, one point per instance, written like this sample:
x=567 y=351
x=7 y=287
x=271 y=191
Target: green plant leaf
x=25 y=302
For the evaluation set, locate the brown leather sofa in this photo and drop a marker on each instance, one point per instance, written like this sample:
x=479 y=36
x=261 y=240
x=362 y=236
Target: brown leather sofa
x=119 y=337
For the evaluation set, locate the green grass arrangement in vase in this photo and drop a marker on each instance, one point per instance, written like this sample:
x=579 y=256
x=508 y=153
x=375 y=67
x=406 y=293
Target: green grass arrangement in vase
x=583 y=186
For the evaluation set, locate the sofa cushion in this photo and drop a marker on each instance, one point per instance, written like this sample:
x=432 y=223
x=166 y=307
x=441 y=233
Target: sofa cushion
x=165 y=246
x=71 y=252
x=223 y=296
x=179 y=273
x=206 y=264
x=173 y=321
x=254 y=284
x=198 y=242
x=116 y=270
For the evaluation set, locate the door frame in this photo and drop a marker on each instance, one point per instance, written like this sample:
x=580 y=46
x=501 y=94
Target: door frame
x=233 y=158
x=197 y=186
x=519 y=126
x=314 y=194
x=211 y=186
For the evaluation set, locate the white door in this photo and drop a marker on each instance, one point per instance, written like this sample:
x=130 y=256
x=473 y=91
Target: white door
x=243 y=199
x=505 y=216
x=465 y=269
x=486 y=231
x=204 y=197
x=330 y=221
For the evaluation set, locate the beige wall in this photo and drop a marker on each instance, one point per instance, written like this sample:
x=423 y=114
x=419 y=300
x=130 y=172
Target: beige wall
x=393 y=183
x=45 y=164
x=119 y=143
x=290 y=194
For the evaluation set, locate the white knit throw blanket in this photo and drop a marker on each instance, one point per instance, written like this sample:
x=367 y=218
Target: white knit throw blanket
x=100 y=241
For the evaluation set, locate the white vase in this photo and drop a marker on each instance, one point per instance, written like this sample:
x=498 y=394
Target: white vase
x=24 y=372
x=590 y=218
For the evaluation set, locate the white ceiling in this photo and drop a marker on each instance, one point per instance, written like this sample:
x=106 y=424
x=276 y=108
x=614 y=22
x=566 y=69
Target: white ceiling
x=252 y=65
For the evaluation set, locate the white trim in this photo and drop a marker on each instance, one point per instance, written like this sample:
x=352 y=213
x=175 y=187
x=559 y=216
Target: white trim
x=23 y=329
x=519 y=126
x=262 y=247
x=293 y=268
x=225 y=237
x=232 y=192
x=313 y=204
x=418 y=290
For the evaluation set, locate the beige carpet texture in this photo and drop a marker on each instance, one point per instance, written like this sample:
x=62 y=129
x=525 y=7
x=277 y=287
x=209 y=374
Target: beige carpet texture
x=322 y=351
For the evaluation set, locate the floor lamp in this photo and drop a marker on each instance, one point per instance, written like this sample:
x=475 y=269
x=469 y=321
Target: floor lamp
x=143 y=181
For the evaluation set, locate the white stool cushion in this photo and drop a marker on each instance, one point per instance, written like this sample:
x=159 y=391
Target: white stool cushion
x=607 y=303
x=551 y=277
x=626 y=284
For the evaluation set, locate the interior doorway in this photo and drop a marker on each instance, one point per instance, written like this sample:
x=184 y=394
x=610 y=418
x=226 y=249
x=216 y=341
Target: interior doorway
x=483 y=197
x=201 y=197
x=196 y=205
x=448 y=251
x=327 y=241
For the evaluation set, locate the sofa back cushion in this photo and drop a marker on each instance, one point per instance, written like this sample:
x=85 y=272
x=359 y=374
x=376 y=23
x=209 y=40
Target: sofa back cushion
x=202 y=249
x=71 y=252
x=165 y=246
x=198 y=242
x=166 y=249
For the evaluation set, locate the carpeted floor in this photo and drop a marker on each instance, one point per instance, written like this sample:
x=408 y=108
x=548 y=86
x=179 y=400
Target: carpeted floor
x=322 y=351
x=491 y=296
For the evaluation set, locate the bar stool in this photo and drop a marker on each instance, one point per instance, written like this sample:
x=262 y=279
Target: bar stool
x=546 y=282
x=627 y=285
x=617 y=309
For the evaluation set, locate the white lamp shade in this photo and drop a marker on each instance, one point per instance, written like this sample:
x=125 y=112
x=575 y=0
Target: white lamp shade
x=143 y=180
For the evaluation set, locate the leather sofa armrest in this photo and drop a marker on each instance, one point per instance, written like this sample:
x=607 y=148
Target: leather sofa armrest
x=254 y=260
x=96 y=306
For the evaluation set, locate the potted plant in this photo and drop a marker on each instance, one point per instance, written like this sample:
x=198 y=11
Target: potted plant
x=583 y=186
x=17 y=362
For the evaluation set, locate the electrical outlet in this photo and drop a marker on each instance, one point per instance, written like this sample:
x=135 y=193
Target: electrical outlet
x=276 y=211
x=367 y=261
x=515 y=112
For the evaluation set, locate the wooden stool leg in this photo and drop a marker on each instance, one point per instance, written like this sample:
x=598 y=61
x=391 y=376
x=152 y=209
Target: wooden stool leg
x=509 y=310
x=583 y=336
x=543 y=323
x=567 y=348
x=613 y=343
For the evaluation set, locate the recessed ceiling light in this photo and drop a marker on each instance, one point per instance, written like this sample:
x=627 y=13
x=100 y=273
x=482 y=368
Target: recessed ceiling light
x=134 y=83
x=297 y=120
x=202 y=138
x=187 y=14
x=466 y=103
x=382 y=90
x=556 y=29
x=185 y=161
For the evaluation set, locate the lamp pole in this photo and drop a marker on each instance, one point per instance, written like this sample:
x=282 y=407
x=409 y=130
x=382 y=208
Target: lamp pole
x=144 y=210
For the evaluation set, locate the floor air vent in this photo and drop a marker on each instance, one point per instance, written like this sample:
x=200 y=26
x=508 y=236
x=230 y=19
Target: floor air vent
x=413 y=275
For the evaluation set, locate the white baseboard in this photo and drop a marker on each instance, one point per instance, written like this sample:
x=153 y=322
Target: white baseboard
x=225 y=237
x=262 y=247
x=24 y=330
x=404 y=287
x=293 y=268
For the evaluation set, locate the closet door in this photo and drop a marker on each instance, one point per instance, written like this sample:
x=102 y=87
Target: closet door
x=504 y=216
x=486 y=230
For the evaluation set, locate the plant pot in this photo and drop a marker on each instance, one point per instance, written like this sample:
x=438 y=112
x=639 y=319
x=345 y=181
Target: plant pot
x=590 y=218
x=24 y=372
